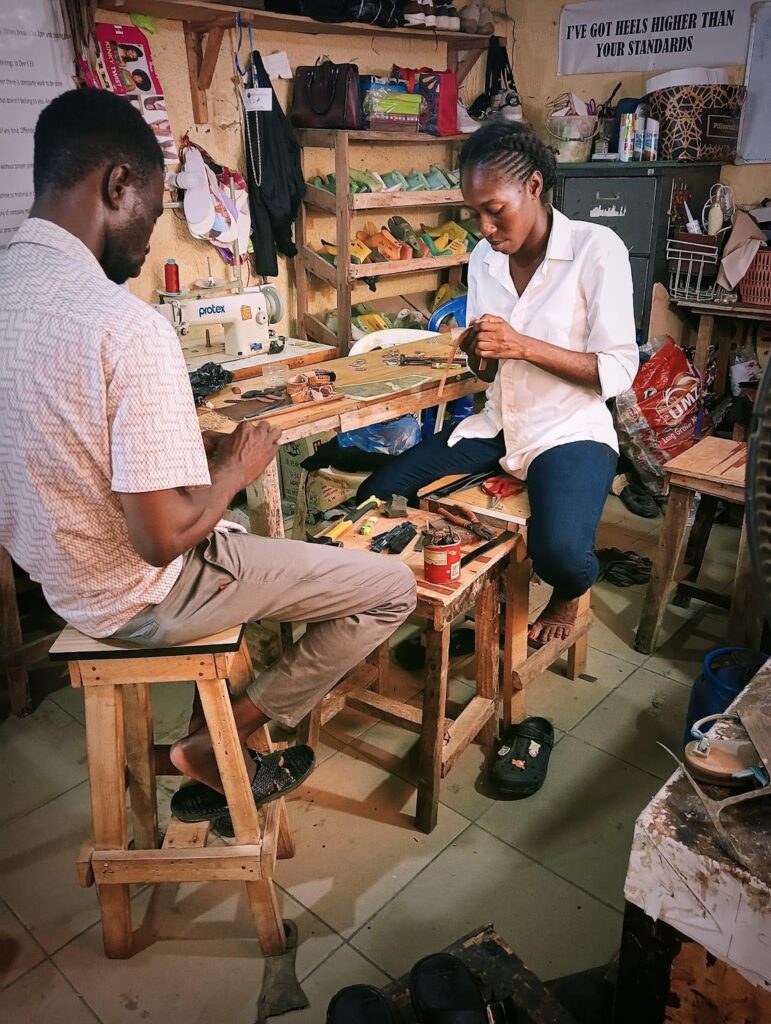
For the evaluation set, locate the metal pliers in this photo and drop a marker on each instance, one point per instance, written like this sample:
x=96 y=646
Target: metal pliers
x=466 y=519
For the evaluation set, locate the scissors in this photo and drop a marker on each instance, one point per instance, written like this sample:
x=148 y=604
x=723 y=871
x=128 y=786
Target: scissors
x=500 y=487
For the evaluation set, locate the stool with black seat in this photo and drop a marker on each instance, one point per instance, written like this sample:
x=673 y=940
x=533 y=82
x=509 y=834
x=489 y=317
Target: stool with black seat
x=116 y=679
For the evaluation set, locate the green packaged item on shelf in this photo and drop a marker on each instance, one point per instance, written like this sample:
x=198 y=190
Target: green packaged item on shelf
x=372 y=182
x=436 y=179
x=394 y=180
x=416 y=182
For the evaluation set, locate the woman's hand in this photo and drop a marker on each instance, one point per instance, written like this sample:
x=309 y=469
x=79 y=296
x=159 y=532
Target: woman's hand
x=495 y=338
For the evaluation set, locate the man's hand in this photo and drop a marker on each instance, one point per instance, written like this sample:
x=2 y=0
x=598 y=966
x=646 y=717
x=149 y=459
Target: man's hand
x=247 y=452
x=495 y=338
x=211 y=440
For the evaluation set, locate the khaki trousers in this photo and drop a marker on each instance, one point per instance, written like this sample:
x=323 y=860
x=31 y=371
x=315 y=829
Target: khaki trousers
x=352 y=601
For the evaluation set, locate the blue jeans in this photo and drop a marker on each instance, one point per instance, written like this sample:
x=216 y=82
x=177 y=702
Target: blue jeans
x=567 y=486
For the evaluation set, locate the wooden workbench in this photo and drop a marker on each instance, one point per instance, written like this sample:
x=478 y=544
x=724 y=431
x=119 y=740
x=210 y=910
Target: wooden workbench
x=681 y=885
x=264 y=497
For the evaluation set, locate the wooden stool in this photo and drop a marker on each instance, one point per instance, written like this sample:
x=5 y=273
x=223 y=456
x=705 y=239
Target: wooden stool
x=715 y=468
x=442 y=740
x=119 y=737
x=520 y=666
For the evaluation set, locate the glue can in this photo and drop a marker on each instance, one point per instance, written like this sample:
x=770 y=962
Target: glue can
x=171 y=276
x=441 y=562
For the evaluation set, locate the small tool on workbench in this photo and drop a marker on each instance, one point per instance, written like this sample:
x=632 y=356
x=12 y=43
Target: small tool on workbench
x=466 y=519
x=396 y=508
x=433 y=362
x=336 y=529
x=484 y=548
x=395 y=540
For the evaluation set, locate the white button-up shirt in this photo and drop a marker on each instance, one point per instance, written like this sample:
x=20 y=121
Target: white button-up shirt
x=580 y=298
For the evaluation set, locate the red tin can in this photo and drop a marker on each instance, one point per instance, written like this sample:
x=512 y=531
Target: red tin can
x=441 y=562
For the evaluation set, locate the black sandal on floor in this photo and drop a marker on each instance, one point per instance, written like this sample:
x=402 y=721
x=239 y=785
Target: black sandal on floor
x=359 y=1004
x=520 y=764
x=277 y=774
x=411 y=654
x=443 y=991
x=639 y=501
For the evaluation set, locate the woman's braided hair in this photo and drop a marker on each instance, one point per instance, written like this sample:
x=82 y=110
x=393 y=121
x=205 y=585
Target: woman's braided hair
x=511 y=149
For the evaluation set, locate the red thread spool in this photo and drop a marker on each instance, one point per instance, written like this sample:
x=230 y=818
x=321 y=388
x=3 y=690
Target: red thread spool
x=171 y=276
x=441 y=562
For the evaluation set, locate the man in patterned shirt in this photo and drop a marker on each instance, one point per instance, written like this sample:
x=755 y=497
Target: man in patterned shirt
x=110 y=498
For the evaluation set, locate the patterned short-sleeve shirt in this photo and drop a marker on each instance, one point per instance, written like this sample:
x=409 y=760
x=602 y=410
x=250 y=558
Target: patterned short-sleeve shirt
x=94 y=400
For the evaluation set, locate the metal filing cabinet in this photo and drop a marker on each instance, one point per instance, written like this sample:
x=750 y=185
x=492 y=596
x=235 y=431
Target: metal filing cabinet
x=633 y=199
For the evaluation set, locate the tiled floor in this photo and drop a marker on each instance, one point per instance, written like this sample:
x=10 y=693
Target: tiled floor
x=369 y=894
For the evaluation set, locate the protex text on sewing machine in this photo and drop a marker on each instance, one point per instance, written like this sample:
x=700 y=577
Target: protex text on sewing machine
x=246 y=317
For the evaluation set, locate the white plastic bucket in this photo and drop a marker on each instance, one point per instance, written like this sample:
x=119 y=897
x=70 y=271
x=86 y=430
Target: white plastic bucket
x=573 y=135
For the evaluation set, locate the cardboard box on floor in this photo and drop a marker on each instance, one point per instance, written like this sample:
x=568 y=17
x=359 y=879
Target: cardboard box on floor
x=322 y=494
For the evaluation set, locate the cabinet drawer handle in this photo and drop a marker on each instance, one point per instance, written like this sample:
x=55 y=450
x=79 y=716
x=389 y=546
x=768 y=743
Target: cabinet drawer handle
x=607 y=199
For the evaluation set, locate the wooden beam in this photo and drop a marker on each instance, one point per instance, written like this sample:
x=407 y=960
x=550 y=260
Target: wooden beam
x=220 y=864
x=210 y=54
x=194 y=51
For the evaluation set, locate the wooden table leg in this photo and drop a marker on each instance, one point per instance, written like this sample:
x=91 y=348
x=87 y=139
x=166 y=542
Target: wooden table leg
x=263 y=499
x=432 y=730
x=697 y=544
x=140 y=763
x=11 y=638
x=309 y=729
x=227 y=750
x=488 y=639
x=578 y=651
x=515 y=635
x=665 y=568
x=381 y=659
x=107 y=777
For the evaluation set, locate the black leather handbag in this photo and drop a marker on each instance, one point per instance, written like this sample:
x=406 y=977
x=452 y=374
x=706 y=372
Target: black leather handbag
x=326 y=95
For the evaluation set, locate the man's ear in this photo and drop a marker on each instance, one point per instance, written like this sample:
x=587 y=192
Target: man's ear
x=535 y=184
x=116 y=182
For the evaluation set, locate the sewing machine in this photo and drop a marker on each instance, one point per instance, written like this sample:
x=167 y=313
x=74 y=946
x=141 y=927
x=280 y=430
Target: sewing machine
x=245 y=316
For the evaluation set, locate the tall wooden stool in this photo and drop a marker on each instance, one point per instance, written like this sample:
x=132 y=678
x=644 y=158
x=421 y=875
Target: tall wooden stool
x=442 y=739
x=119 y=735
x=714 y=468
x=521 y=665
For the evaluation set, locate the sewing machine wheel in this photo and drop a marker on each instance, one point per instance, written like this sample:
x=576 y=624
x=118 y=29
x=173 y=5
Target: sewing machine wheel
x=275 y=305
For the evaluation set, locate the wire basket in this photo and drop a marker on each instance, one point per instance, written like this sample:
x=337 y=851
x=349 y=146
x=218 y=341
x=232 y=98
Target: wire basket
x=692 y=270
x=755 y=286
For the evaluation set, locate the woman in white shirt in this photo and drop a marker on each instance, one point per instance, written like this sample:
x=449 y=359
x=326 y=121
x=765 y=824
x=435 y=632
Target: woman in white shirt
x=550 y=301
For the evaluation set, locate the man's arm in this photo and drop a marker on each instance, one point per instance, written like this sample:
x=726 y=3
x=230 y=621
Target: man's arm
x=164 y=524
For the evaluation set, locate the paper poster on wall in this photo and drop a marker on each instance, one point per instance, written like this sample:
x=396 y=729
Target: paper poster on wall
x=125 y=66
x=604 y=35
x=36 y=65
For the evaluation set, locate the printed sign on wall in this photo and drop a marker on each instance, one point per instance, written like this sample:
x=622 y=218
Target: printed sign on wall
x=35 y=66
x=603 y=35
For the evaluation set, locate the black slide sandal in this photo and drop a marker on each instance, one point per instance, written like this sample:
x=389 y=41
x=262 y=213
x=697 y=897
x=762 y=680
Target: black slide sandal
x=443 y=991
x=522 y=758
x=359 y=1004
x=277 y=773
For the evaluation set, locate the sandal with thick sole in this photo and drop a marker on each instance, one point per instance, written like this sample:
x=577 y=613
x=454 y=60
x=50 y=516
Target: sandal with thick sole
x=522 y=758
x=277 y=773
x=722 y=762
x=640 y=502
x=360 y=1004
x=411 y=654
x=443 y=991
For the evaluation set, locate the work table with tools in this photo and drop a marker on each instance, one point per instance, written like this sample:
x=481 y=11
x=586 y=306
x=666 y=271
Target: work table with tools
x=341 y=412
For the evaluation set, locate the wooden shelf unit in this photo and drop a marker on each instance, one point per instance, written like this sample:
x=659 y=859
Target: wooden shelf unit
x=343 y=205
x=205 y=24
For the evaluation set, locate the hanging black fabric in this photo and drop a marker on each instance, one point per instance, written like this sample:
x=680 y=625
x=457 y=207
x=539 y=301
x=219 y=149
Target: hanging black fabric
x=499 y=77
x=274 y=174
